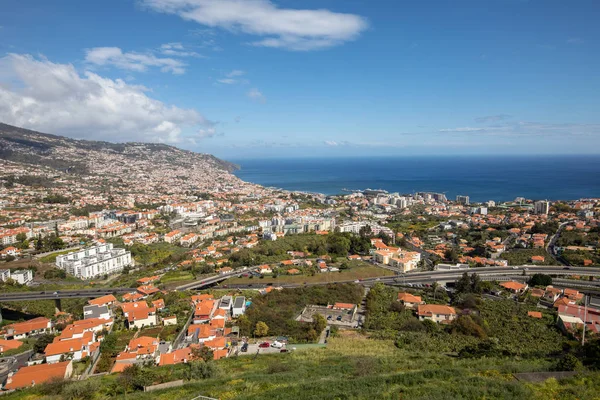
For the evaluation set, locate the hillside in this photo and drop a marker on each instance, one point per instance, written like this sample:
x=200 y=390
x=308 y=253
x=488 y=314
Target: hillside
x=148 y=170
x=76 y=156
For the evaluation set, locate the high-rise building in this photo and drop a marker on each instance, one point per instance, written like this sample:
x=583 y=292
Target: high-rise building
x=464 y=200
x=541 y=207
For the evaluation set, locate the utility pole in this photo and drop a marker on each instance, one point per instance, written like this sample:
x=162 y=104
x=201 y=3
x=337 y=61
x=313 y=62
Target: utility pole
x=585 y=301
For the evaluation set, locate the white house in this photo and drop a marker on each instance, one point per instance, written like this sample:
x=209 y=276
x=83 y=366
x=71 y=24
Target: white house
x=239 y=306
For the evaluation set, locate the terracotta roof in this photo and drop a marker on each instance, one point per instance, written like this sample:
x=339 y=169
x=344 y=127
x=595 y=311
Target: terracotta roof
x=142 y=341
x=427 y=310
x=345 y=306
x=100 y=301
x=218 y=354
x=409 y=298
x=176 y=357
x=36 y=374
x=29 y=326
x=6 y=345
x=512 y=285
x=68 y=346
x=535 y=314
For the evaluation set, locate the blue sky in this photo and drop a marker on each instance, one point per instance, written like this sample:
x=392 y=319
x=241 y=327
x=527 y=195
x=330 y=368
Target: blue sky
x=260 y=78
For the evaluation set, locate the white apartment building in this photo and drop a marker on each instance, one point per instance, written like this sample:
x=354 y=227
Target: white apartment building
x=22 y=276
x=95 y=261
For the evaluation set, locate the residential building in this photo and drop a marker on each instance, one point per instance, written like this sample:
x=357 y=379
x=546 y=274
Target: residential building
x=95 y=261
x=32 y=327
x=410 y=301
x=38 y=374
x=4 y=275
x=515 y=287
x=239 y=306
x=94 y=311
x=22 y=276
x=436 y=313
x=464 y=200
x=6 y=345
x=541 y=207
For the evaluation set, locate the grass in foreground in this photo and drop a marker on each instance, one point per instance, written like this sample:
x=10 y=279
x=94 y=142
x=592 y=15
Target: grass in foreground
x=359 y=368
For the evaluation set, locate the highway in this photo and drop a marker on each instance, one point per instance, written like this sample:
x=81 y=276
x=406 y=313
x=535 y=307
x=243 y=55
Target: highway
x=486 y=273
x=214 y=279
x=62 y=294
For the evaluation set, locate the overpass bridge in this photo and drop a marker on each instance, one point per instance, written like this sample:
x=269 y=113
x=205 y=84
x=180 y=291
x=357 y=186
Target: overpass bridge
x=206 y=282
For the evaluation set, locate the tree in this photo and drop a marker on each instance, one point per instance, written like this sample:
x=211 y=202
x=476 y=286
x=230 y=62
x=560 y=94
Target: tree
x=21 y=237
x=540 y=280
x=568 y=363
x=451 y=255
x=200 y=370
x=261 y=329
x=42 y=341
x=319 y=322
x=202 y=353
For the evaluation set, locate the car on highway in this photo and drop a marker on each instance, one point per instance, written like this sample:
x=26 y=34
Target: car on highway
x=277 y=345
x=515 y=267
x=264 y=345
x=339 y=318
x=329 y=318
x=244 y=347
x=284 y=351
x=567 y=268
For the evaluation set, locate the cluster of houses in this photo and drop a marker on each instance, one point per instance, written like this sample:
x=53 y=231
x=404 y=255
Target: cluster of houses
x=395 y=256
x=208 y=327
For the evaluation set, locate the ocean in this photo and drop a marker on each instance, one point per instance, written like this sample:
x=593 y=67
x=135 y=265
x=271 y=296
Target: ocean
x=499 y=178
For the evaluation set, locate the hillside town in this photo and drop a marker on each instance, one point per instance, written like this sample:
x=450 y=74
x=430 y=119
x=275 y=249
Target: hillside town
x=204 y=267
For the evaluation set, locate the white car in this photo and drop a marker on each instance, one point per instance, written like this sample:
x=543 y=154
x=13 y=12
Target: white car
x=515 y=267
x=277 y=345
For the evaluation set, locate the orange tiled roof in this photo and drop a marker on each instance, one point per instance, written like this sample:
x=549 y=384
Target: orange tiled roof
x=37 y=374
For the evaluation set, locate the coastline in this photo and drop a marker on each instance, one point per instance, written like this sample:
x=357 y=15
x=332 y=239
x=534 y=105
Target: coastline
x=498 y=178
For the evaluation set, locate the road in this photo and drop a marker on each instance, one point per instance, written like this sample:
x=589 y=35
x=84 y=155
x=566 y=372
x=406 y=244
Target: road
x=488 y=273
x=410 y=277
x=13 y=363
x=62 y=294
x=199 y=284
x=551 y=248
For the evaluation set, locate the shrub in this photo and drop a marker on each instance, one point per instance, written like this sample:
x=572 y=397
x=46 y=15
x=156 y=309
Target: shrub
x=82 y=390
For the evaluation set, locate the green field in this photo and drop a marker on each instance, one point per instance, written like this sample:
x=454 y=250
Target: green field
x=368 y=271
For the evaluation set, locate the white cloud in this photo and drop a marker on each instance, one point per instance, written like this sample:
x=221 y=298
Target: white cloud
x=232 y=78
x=288 y=28
x=234 y=73
x=177 y=50
x=227 y=81
x=132 y=61
x=464 y=129
x=206 y=133
x=330 y=143
x=255 y=94
x=526 y=128
x=55 y=98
